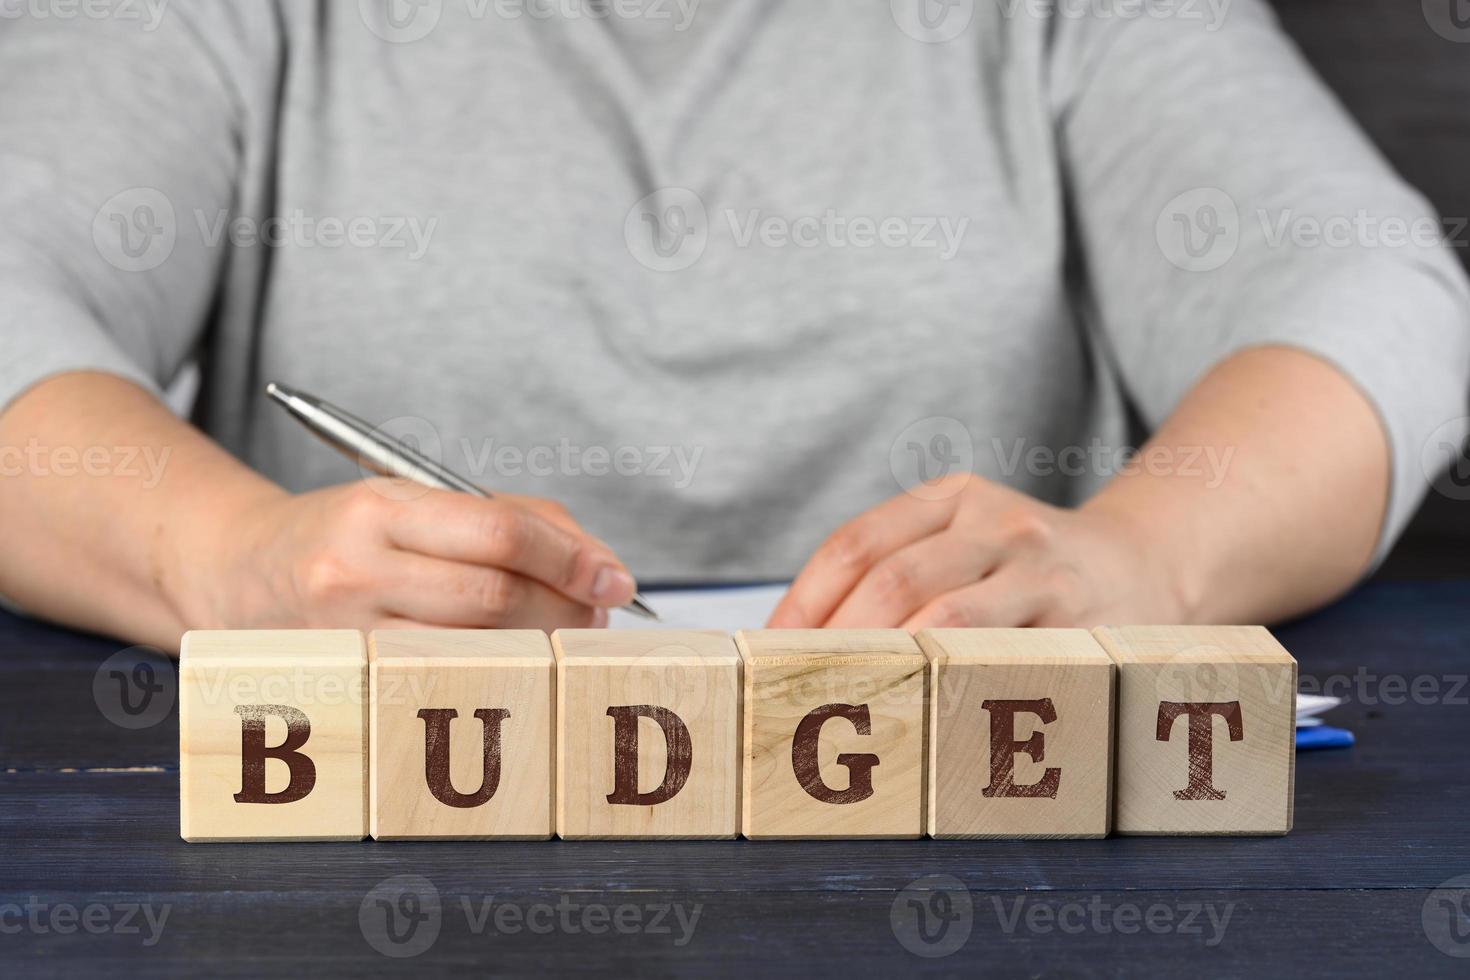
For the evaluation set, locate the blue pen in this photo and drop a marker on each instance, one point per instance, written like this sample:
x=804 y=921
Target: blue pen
x=1323 y=737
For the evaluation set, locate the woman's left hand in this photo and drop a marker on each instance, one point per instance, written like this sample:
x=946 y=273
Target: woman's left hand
x=982 y=555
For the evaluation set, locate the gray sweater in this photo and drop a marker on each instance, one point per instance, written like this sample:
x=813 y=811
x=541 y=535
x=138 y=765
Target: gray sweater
x=716 y=275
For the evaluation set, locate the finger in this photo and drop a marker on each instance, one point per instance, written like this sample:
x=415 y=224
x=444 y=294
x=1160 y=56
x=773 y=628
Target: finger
x=853 y=549
x=901 y=584
x=501 y=534
x=1003 y=599
x=556 y=514
x=549 y=509
x=473 y=596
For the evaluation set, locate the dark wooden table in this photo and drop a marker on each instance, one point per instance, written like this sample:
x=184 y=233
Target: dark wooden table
x=89 y=848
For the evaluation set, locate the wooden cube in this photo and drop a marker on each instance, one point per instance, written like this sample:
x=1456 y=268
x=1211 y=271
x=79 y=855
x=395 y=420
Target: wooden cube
x=462 y=734
x=1020 y=733
x=834 y=734
x=272 y=735
x=648 y=734
x=1206 y=730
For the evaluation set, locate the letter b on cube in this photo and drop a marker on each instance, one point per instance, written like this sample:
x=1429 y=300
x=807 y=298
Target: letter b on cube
x=272 y=735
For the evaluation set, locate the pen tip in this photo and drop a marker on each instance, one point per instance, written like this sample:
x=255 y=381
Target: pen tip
x=640 y=606
x=280 y=393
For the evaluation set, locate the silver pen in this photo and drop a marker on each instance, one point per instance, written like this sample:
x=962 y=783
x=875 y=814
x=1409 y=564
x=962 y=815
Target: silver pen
x=383 y=454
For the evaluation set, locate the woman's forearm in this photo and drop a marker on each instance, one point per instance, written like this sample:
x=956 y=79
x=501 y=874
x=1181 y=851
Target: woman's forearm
x=1285 y=500
x=108 y=502
x=164 y=531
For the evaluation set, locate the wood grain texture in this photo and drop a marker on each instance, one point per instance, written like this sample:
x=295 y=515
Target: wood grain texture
x=1206 y=730
x=834 y=729
x=648 y=734
x=272 y=735
x=505 y=755
x=1020 y=733
x=88 y=810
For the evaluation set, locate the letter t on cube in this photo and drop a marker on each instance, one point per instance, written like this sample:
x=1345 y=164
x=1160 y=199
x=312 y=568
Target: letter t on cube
x=272 y=735
x=1206 y=729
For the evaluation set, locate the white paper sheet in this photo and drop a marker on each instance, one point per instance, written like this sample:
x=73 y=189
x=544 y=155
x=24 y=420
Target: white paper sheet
x=728 y=609
x=1312 y=705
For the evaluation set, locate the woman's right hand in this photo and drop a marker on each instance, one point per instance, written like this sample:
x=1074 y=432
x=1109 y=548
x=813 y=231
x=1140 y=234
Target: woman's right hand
x=378 y=554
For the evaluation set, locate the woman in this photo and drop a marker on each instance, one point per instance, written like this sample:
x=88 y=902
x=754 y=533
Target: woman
x=920 y=267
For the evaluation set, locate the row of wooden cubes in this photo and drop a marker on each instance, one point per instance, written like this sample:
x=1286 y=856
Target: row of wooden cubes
x=488 y=734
